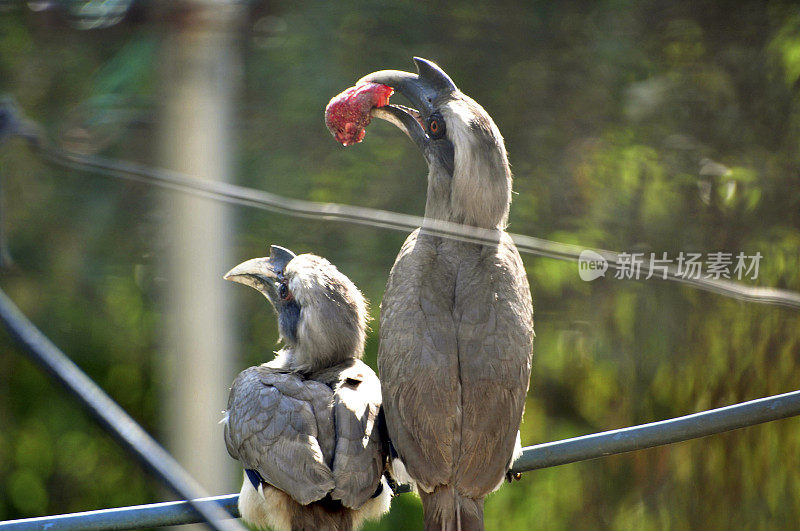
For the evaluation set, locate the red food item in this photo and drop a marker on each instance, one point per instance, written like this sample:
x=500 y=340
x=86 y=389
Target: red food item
x=347 y=114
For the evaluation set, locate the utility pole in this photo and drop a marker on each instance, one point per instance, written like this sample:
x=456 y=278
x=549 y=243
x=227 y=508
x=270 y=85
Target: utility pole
x=200 y=82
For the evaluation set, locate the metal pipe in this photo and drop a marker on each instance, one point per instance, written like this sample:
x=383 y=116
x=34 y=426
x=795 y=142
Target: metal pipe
x=199 y=82
x=659 y=433
x=533 y=457
x=113 y=418
x=135 y=517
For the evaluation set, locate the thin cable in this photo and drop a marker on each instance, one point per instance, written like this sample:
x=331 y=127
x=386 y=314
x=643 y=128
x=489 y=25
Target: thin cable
x=115 y=420
x=250 y=197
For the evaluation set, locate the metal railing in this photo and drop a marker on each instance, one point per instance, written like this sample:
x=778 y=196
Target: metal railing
x=134 y=517
x=533 y=457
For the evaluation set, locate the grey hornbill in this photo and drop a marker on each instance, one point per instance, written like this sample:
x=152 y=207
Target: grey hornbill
x=305 y=425
x=456 y=318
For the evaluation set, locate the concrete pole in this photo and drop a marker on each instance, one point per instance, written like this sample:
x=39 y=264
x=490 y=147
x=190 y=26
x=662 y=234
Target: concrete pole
x=200 y=81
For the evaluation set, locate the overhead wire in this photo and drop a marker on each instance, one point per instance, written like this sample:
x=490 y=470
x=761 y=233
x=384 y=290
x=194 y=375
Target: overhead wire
x=371 y=217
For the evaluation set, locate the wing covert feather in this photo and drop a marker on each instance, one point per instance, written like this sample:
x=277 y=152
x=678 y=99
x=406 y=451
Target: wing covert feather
x=495 y=336
x=418 y=361
x=358 y=463
x=275 y=422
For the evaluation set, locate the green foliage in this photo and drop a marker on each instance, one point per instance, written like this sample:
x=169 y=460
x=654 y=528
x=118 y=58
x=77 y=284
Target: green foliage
x=638 y=127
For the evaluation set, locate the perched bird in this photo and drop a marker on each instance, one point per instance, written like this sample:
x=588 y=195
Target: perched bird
x=456 y=318
x=305 y=426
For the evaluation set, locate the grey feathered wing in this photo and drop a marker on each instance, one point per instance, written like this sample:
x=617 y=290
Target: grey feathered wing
x=495 y=340
x=281 y=425
x=358 y=462
x=418 y=362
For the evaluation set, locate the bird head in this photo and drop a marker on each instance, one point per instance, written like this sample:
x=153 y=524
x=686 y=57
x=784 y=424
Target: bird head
x=322 y=316
x=469 y=179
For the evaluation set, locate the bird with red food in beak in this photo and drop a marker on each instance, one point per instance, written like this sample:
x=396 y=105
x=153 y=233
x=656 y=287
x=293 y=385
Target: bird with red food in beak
x=456 y=334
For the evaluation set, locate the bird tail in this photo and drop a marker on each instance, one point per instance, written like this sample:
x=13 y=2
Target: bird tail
x=271 y=508
x=444 y=509
x=325 y=514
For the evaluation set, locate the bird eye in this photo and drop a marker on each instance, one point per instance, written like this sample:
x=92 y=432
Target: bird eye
x=283 y=292
x=436 y=127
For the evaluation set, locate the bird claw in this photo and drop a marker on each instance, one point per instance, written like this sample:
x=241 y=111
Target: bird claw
x=513 y=476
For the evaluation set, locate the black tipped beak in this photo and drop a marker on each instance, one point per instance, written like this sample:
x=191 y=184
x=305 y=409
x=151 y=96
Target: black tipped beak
x=422 y=89
x=263 y=274
x=407 y=120
x=258 y=273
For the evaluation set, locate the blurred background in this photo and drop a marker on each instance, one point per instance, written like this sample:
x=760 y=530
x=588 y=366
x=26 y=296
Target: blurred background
x=651 y=126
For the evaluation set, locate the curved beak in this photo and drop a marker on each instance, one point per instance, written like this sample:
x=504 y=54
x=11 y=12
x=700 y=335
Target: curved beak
x=263 y=274
x=422 y=89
